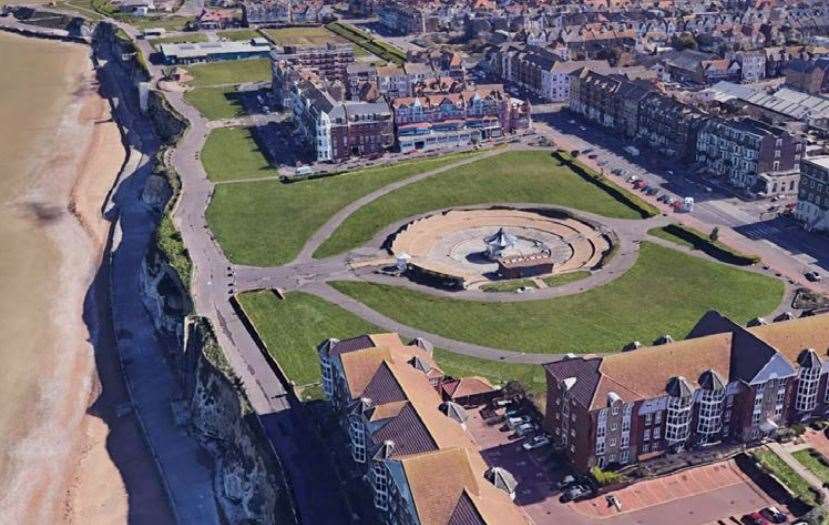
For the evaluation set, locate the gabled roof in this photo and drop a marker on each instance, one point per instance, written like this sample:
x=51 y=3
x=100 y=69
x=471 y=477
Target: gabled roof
x=716 y=352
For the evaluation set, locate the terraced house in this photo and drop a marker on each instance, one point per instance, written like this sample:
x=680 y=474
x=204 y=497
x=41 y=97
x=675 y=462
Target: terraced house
x=422 y=465
x=442 y=120
x=752 y=154
x=724 y=383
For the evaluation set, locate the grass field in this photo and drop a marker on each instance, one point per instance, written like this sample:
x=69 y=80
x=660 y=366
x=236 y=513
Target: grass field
x=266 y=223
x=664 y=292
x=521 y=176
x=239 y=34
x=366 y=43
x=232 y=154
x=809 y=458
x=230 y=72
x=293 y=328
x=773 y=464
x=216 y=103
x=303 y=36
x=178 y=39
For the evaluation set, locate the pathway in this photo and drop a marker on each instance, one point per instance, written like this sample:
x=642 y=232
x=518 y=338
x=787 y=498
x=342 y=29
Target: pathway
x=786 y=455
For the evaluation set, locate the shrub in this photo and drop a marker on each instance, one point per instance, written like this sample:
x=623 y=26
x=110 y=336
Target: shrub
x=606 y=477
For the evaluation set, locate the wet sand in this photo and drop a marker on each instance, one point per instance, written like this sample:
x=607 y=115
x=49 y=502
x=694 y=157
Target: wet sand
x=62 y=153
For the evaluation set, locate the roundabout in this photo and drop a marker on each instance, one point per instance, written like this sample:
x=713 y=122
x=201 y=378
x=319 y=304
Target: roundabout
x=464 y=249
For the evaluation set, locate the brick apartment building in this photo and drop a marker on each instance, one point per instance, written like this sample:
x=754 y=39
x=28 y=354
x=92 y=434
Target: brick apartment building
x=723 y=384
x=442 y=120
x=753 y=155
x=669 y=126
x=329 y=61
x=334 y=128
x=813 y=199
x=409 y=441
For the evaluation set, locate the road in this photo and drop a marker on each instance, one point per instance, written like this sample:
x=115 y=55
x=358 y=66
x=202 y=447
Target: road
x=746 y=225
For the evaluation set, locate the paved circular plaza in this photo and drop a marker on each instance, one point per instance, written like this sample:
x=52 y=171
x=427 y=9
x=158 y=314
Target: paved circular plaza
x=474 y=247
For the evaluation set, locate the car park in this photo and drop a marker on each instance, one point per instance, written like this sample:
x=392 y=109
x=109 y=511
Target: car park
x=536 y=442
x=526 y=429
x=516 y=421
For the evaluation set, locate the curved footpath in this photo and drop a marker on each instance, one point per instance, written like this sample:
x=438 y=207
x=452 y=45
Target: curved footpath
x=317 y=499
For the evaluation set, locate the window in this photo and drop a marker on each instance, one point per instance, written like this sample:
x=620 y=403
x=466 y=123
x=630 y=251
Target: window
x=646 y=447
x=624 y=457
x=358 y=441
x=647 y=435
x=678 y=420
x=656 y=431
x=612 y=442
x=327 y=378
x=709 y=420
x=625 y=440
x=648 y=419
x=807 y=385
x=381 y=487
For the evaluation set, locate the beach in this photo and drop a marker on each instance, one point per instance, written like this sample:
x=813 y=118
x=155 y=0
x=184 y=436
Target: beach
x=62 y=153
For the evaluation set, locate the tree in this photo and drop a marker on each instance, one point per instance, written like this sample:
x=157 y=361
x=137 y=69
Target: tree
x=684 y=41
x=714 y=236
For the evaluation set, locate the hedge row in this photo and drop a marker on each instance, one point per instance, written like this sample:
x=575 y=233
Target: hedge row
x=715 y=249
x=375 y=47
x=643 y=208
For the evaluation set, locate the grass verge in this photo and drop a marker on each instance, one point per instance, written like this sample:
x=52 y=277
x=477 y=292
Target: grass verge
x=292 y=329
x=508 y=286
x=698 y=240
x=513 y=176
x=231 y=154
x=771 y=463
x=814 y=461
x=565 y=278
x=266 y=223
x=239 y=34
x=665 y=291
x=179 y=39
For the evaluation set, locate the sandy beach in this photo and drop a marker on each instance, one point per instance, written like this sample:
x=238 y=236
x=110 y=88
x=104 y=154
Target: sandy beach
x=58 y=461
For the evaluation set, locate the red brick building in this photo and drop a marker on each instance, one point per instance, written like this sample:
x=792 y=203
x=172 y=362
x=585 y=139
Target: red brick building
x=723 y=384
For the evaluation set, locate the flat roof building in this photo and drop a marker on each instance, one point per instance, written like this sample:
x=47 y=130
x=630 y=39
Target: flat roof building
x=212 y=51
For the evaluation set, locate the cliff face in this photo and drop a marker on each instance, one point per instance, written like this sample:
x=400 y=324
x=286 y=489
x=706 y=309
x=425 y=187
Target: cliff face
x=249 y=479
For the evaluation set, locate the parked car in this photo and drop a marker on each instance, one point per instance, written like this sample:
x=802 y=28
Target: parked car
x=516 y=421
x=632 y=178
x=566 y=482
x=755 y=518
x=638 y=184
x=514 y=412
x=500 y=403
x=652 y=191
x=773 y=514
x=575 y=493
x=813 y=277
x=526 y=429
x=536 y=442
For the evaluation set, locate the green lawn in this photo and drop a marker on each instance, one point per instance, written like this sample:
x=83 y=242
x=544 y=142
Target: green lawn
x=773 y=464
x=508 y=286
x=566 y=278
x=170 y=23
x=232 y=154
x=230 y=72
x=266 y=223
x=215 y=103
x=521 y=176
x=178 y=39
x=240 y=34
x=664 y=292
x=293 y=328
x=810 y=458
x=303 y=36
